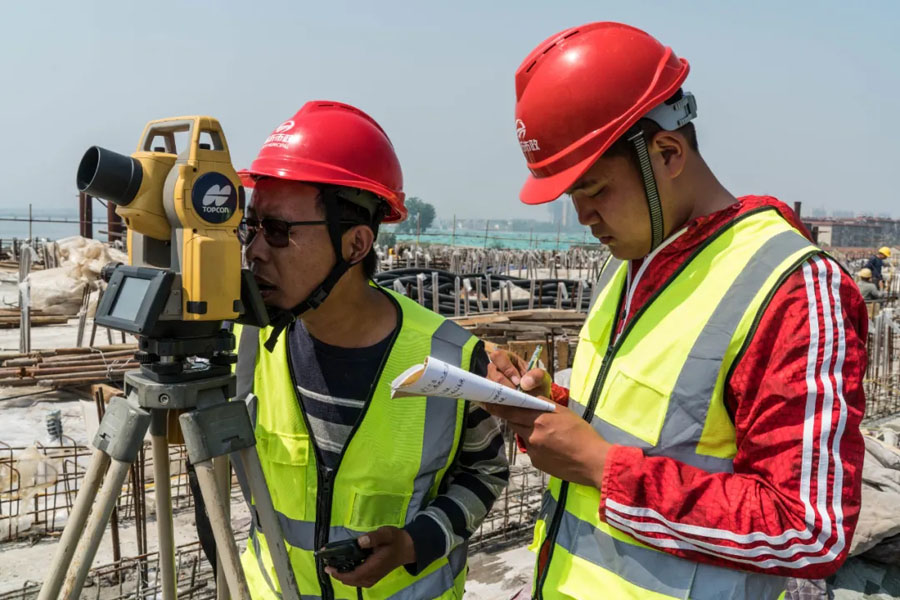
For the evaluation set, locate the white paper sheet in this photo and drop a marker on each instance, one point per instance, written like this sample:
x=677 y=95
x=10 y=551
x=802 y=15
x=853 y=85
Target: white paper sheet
x=435 y=378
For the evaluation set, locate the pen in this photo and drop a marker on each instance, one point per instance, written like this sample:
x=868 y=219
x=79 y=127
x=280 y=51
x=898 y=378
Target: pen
x=531 y=363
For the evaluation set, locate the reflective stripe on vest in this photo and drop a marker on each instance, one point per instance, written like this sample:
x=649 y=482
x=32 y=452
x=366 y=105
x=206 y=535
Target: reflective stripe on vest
x=694 y=388
x=248 y=346
x=441 y=423
x=607 y=272
x=447 y=345
x=429 y=586
x=256 y=549
x=749 y=257
x=643 y=567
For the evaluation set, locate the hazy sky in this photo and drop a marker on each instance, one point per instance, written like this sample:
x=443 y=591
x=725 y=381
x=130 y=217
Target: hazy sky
x=796 y=99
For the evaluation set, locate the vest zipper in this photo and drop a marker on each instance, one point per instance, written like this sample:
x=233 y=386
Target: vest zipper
x=325 y=487
x=604 y=370
x=325 y=477
x=323 y=525
x=564 y=485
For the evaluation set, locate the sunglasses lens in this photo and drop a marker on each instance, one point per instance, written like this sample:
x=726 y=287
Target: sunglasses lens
x=277 y=232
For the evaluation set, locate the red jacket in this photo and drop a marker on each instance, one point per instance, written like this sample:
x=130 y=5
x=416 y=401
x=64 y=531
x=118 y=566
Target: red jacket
x=796 y=399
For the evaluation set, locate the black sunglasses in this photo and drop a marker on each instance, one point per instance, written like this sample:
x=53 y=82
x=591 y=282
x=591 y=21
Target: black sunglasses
x=276 y=231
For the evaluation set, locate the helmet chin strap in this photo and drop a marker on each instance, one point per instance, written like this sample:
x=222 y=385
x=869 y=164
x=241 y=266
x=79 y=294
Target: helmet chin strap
x=672 y=114
x=636 y=136
x=279 y=318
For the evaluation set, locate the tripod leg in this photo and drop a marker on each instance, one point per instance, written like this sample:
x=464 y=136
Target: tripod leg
x=271 y=527
x=219 y=430
x=163 y=484
x=87 y=547
x=62 y=558
x=221 y=526
x=222 y=468
x=120 y=437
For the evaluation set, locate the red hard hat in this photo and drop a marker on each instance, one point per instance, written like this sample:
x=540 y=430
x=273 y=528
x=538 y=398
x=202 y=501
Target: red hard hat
x=335 y=144
x=579 y=91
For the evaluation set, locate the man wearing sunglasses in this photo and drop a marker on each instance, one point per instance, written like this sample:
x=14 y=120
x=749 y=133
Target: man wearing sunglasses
x=411 y=479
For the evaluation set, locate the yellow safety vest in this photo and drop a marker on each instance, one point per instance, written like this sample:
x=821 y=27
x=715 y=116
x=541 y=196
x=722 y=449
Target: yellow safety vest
x=392 y=467
x=660 y=386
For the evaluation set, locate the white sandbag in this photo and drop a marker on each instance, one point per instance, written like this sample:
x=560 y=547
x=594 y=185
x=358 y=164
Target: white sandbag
x=90 y=255
x=57 y=291
x=879 y=514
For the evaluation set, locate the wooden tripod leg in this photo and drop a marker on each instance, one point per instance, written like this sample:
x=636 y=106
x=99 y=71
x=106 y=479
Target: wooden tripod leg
x=221 y=526
x=62 y=558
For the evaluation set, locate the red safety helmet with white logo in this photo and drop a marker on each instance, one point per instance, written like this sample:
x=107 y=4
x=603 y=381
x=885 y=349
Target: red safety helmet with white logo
x=583 y=88
x=333 y=144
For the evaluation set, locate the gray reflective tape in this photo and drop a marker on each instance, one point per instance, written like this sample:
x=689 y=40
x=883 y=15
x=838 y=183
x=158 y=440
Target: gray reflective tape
x=578 y=408
x=252 y=402
x=658 y=571
x=610 y=432
x=243 y=482
x=259 y=561
x=440 y=417
x=610 y=268
x=248 y=348
x=265 y=574
x=685 y=454
x=694 y=388
x=696 y=383
x=437 y=583
x=302 y=534
x=457 y=558
x=547 y=504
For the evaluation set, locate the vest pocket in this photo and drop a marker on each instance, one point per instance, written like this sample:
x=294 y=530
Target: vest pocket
x=285 y=458
x=370 y=510
x=634 y=406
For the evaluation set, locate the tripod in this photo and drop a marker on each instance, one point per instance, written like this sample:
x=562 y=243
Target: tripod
x=213 y=428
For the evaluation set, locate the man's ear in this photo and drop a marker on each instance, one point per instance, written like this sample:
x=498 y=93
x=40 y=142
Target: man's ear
x=357 y=242
x=668 y=149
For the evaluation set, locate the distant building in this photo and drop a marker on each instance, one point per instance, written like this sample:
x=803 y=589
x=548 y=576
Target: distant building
x=858 y=232
x=563 y=214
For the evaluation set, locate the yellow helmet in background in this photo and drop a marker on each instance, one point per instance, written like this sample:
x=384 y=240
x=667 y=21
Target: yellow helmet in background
x=864 y=273
x=885 y=250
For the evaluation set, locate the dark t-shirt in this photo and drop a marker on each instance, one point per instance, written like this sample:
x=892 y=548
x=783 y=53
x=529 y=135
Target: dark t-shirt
x=348 y=374
x=875 y=264
x=333 y=386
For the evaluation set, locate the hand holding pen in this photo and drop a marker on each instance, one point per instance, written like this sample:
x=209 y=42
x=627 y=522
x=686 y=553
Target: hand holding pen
x=512 y=371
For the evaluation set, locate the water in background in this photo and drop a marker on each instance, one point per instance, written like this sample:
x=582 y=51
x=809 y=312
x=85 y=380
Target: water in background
x=519 y=240
x=462 y=237
x=52 y=231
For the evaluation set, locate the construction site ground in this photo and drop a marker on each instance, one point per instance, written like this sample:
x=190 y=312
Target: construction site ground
x=492 y=574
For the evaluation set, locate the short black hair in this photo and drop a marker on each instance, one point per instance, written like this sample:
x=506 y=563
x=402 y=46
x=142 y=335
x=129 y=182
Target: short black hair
x=359 y=215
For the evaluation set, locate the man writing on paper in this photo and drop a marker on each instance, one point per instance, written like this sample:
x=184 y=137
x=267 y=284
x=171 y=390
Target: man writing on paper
x=712 y=447
x=409 y=478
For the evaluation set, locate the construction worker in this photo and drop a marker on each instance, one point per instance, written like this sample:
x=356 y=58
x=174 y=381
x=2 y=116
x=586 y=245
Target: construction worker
x=876 y=263
x=869 y=290
x=711 y=445
x=409 y=478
